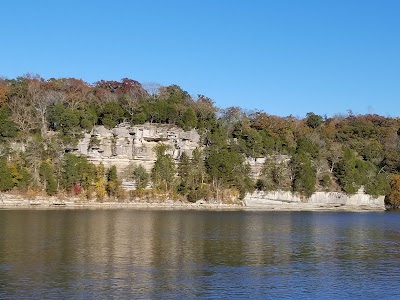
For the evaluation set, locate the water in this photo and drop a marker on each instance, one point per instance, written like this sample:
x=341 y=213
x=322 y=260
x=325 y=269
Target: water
x=127 y=254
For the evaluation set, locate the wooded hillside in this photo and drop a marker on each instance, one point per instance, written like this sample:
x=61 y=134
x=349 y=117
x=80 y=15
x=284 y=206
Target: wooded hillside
x=40 y=119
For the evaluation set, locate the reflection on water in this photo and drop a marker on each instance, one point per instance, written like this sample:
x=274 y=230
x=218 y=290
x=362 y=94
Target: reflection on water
x=186 y=254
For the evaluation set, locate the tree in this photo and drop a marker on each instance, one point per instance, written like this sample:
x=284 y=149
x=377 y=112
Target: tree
x=7 y=127
x=77 y=171
x=22 y=114
x=188 y=120
x=313 y=121
x=378 y=185
x=163 y=172
x=141 y=177
x=6 y=180
x=228 y=169
x=198 y=169
x=346 y=172
x=100 y=186
x=41 y=100
x=353 y=172
x=4 y=90
x=184 y=166
x=48 y=179
x=274 y=175
x=304 y=176
x=394 y=195
x=184 y=172
x=111 y=114
x=113 y=183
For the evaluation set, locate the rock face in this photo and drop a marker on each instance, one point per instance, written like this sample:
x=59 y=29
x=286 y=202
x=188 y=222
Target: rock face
x=326 y=199
x=125 y=144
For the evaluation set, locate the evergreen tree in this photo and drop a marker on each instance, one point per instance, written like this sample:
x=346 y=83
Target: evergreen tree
x=163 y=171
x=304 y=176
x=6 y=180
x=7 y=127
x=112 y=181
x=141 y=177
x=48 y=178
x=228 y=169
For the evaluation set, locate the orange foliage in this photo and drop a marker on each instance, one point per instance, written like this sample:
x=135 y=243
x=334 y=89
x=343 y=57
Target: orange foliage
x=394 y=196
x=4 y=90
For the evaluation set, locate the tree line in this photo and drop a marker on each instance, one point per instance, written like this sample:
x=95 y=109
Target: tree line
x=41 y=119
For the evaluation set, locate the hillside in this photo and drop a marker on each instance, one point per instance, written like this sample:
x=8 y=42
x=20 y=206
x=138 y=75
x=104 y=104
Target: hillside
x=60 y=136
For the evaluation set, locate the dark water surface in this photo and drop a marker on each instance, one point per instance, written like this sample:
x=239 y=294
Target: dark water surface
x=127 y=254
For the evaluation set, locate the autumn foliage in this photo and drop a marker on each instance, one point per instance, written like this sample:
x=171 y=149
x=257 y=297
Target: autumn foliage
x=41 y=120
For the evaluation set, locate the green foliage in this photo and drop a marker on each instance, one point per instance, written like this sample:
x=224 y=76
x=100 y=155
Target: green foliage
x=228 y=136
x=6 y=179
x=228 y=169
x=325 y=182
x=89 y=117
x=307 y=147
x=353 y=172
x=163 y=171
x=313 y=121
x=184 y=167
x=346 y=172
x=111 y=114
x=197 y=194
x=161 y=149
x=141 y=177
x=274 y=176
x=20 y=175
x=188 y=120
x=7 y=127
x=304 y=176
x=392 y=160
x=48 y=179
x=378 y=185
x=113 y=183
x=139 y=118
x=250 y=142
x=65 y=120
x=77 y=170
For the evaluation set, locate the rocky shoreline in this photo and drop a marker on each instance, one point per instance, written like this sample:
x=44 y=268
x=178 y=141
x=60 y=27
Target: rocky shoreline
x=10 y=202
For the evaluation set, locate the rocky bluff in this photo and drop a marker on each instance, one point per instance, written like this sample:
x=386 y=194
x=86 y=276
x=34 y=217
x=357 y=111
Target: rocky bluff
x=127 y=144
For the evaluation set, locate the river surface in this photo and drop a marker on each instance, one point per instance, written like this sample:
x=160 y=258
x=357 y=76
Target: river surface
x=147 y=254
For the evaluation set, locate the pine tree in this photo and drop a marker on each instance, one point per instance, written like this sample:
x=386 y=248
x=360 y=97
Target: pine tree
x=163 y=172
x=48 y=179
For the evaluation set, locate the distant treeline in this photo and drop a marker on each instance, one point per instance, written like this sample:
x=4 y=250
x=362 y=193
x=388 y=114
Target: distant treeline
x=40 y=119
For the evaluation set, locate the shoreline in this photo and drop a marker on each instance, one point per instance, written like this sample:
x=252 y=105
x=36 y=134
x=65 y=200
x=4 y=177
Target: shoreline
x=43 y=204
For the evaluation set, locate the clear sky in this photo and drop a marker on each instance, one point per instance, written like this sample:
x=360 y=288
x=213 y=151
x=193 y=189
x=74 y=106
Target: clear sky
x=280 y=56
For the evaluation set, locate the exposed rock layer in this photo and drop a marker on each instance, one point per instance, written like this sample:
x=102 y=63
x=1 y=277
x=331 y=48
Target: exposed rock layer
x=327 y=199
x=127 y=144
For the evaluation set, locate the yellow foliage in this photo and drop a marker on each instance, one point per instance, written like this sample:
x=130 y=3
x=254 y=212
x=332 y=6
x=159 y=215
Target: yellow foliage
x=100 y=190
x=3 y=94
x=16 y=175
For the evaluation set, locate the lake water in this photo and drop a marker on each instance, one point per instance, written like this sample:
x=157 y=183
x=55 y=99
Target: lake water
x=130 y=254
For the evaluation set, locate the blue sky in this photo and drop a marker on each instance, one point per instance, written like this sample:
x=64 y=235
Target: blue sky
x=283 y=57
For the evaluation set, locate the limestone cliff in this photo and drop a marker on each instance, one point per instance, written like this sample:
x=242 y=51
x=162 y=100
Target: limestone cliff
x=125 y=144
x=321 y=199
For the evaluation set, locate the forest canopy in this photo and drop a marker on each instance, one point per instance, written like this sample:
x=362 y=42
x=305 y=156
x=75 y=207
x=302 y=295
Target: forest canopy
x=40 y=119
